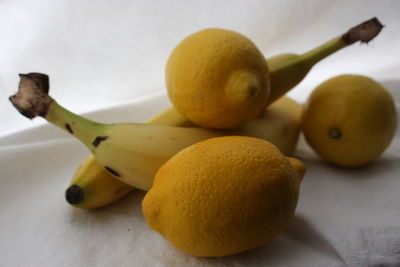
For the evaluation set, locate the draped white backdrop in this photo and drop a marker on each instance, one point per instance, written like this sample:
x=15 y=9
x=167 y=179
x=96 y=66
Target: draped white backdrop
x=106 y=59
x=101 y=54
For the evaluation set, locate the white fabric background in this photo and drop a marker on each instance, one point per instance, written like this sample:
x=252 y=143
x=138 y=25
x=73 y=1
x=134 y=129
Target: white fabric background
x=101 y=54
x=109 y=57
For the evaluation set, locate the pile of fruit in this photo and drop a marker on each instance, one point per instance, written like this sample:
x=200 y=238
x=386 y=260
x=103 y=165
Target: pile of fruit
x=217 y=165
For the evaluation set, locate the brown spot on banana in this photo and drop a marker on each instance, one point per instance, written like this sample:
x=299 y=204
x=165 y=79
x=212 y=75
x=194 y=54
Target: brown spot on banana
x=335 y=133
x=98 y=140
x=112 y=171
x=69 y=128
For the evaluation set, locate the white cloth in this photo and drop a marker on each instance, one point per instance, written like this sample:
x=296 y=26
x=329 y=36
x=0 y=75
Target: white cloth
x=110 y=58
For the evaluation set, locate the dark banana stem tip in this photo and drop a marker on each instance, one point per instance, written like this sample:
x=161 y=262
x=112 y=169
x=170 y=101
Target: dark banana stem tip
x=32 y=98
x=74 y=195
x=363 y=32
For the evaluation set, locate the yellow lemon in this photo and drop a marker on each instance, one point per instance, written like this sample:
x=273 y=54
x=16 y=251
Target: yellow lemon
x=223 y=196
x=217 y=79
x=349 y=120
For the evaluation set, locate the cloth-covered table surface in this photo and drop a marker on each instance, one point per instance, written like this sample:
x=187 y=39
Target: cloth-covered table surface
x=106 y=60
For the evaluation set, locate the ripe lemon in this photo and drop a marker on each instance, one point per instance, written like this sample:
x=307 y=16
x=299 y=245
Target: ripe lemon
x=349 y=120
x=223 y=196
x=217 y=79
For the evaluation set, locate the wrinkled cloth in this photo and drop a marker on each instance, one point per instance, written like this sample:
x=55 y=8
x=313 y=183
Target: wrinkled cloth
x=107 y=61
x=345 y=217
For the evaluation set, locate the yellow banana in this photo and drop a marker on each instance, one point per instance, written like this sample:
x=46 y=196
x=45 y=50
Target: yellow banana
x=92 y=186
x=131 y=152
x=287 y=70
x=280 y=124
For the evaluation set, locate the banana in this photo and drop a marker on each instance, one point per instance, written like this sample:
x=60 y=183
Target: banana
x=93 y=187
x=287 y=70
x=279 y=123
x=131 y=152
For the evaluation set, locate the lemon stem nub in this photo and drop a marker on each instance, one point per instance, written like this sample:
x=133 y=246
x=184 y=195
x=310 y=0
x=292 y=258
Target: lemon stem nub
x=74 y=195
x=335 y=133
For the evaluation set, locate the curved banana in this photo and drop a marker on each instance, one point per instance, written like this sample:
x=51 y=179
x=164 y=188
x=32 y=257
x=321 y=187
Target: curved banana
x=280 y=124
x=92 y=186
x=287 y=70
x=131 y=152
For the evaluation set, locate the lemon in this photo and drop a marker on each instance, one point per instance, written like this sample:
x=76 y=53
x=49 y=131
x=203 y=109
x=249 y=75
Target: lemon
x=223 y=196
x=349 y=120
x=217 y=79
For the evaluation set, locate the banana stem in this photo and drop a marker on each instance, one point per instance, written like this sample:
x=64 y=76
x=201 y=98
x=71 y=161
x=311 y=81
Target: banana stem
x=315 y=55
x=363 y=32
x=85 y=130
x=32 y=100
x=286 y=76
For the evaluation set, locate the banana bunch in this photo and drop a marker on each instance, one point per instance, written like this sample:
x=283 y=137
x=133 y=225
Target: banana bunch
x=92 y=186
x=127 y=155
